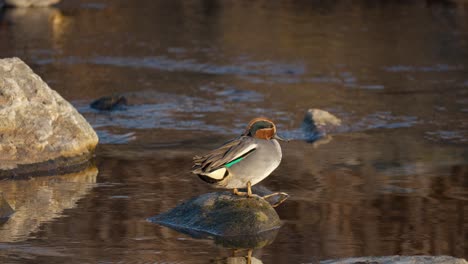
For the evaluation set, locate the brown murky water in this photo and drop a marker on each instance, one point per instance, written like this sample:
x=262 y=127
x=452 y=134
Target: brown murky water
x=394 y=180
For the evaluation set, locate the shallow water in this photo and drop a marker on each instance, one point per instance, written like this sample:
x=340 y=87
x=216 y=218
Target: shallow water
x=392 y=180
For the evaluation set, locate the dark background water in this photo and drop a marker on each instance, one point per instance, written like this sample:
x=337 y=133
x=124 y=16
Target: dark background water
x=393 y=180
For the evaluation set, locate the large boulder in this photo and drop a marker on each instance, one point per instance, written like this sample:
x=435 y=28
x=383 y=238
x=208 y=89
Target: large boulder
x=223 y=214
x=38 y=128
x=31 y=3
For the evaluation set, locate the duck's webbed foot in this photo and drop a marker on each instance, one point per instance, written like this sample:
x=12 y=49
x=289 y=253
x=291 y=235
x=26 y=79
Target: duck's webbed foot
x=276 y=198
x=248 y=193
x=238 y=193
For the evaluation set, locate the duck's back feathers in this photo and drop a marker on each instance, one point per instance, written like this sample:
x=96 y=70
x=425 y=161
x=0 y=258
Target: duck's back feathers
x=214 y=164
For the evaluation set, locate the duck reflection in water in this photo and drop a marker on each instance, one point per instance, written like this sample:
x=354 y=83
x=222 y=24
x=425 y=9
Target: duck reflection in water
x=246 y=258
x=243 y=247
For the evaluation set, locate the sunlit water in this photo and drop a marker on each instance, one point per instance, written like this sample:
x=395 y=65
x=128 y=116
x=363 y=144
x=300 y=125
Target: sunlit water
x=392 y=180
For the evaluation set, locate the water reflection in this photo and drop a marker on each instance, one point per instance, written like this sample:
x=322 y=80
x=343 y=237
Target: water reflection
x=37 y=26
x=40 y=200
x=360 y=206
x=241 y=247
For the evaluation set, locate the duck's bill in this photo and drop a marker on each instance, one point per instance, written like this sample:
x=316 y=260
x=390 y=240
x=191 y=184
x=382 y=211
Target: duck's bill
x=280 y=138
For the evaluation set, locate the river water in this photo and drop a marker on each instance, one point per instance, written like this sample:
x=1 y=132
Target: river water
x=392 y=180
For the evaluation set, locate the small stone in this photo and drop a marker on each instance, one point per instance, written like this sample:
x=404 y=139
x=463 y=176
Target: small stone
x=37 y=126
x=317 y=123
x=398 y=260
x=30 y=3
x=222 y=214
x=109 y=103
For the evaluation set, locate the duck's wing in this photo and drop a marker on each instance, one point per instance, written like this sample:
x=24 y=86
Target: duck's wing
x=225 y=156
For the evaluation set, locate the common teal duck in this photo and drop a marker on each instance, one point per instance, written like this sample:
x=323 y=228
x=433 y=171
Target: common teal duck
x=244 y=161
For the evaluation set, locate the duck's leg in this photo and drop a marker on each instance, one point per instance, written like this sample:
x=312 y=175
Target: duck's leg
x=249 y=189
x=236 y=192
x=248 y=193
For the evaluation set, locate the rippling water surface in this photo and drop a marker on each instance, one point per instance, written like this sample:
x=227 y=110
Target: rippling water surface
x=392 y=180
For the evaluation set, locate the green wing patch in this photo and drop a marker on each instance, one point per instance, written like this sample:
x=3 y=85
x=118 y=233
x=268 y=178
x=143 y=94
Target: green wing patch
x=229 y=164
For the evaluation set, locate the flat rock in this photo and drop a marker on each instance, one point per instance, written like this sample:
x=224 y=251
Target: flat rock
x=37 y=126
x=222 y=214
x=398 y=260
x=317 y=123
x=31 y=3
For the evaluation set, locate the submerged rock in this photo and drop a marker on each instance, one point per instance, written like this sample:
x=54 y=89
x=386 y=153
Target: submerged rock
x=5 y=209
x=31 y=3
x=108 y=103
x=222 y=214
x=398 y=260
x=317 y=123
x=38 y=128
